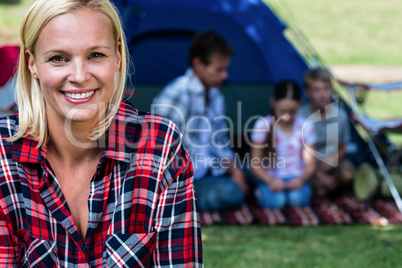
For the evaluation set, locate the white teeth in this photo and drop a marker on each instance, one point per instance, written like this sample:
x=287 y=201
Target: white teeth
x=79 y=96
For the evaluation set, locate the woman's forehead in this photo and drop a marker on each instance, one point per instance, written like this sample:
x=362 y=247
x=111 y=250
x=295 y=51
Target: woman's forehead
x=81 y=27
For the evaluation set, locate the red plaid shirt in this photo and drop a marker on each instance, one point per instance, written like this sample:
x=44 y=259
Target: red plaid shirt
x=142 y=207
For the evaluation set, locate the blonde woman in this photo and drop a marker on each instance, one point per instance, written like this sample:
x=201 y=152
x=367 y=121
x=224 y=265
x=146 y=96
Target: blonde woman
x=86 y=180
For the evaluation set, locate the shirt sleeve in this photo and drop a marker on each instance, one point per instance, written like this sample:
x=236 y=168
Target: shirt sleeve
x=260 y=130
x=178 y=242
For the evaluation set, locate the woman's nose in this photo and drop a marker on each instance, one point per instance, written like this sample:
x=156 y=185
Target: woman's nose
x=79 y=72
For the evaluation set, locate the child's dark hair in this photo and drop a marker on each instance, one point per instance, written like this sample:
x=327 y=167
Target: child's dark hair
x=285 y=89
x=205 y=44
x=317 y=74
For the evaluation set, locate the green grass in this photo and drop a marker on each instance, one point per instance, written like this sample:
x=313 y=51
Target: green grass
x=350 y=32
x=325 y=246
x=10 y=20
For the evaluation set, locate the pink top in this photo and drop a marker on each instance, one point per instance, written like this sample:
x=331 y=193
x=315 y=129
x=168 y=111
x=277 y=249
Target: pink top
x=288 y=161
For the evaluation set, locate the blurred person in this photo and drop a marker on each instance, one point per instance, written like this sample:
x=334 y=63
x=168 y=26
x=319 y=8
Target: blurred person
x=281 y=159
x=196 y=105
x=333 y=133
x=87 y=180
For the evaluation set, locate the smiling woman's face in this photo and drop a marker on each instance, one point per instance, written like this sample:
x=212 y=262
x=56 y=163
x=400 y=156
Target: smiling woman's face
x=75 y=60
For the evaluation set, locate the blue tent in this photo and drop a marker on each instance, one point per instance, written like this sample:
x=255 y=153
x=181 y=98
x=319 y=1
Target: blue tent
x=159 y=33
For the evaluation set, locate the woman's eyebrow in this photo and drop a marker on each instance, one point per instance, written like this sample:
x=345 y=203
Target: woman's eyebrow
x=64 y=51
x=98 y=47
x=56 y=51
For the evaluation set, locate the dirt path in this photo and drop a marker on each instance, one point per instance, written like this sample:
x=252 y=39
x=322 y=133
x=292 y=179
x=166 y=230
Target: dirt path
x=366 y=73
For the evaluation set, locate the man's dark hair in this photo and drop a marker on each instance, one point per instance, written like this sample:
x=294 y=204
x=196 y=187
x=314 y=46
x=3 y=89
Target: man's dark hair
x=205 y=44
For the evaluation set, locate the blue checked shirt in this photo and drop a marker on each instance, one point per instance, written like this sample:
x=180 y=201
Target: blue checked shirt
x=204 y=127
x=142 y=210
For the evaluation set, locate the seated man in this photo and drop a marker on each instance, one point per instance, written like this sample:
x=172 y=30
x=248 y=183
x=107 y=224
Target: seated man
x=332 y=128
x=194 y=102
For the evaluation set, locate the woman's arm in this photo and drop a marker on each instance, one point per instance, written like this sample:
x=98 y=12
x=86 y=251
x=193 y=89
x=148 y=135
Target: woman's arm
x=178 y=231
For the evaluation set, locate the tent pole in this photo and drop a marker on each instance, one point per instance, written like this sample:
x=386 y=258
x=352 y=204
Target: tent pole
x=385 y=174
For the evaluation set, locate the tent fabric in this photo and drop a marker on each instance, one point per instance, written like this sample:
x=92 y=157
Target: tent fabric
x=159 y=33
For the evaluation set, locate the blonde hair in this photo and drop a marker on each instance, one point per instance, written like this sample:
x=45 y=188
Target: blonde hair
x=30 y=101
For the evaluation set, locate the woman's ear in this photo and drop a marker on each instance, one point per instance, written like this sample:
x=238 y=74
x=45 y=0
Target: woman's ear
x=118 y=57
x=31 y=63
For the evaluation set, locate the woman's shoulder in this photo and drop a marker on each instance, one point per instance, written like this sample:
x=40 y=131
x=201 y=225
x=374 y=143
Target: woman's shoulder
x=156 y=137
x=150 y=126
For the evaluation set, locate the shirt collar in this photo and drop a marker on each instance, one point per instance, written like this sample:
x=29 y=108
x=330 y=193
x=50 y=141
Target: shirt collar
x=124 y=133
x=196 y=85
x=122 y=139
x=25 y=151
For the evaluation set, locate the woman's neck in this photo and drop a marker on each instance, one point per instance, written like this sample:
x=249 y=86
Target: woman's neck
x=71 y=143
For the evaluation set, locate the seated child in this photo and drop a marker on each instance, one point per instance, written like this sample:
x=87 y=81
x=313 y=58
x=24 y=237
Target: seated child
x=280 y=155
x=332 y=127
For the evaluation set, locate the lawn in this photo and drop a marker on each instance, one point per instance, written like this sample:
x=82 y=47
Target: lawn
x=349 y=32
x=10 y=19
x=325 y=246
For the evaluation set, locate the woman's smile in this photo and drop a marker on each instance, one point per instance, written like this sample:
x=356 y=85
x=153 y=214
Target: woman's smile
x=79 y=96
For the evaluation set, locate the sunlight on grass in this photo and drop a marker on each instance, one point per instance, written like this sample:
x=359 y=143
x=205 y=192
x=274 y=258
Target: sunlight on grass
x=349 y=32
x=10 y=21
x=324 y=246
x=384 y=105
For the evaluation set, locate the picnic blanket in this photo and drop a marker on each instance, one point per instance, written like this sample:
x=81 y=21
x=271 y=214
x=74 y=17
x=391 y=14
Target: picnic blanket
x=341 y=210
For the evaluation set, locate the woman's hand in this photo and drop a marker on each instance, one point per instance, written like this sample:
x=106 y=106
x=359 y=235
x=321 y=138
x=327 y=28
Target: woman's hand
x=295 y=184
x=277 y=185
